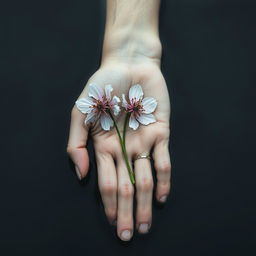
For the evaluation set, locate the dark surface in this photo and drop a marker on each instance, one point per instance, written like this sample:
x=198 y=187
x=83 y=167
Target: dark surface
x=209 y=64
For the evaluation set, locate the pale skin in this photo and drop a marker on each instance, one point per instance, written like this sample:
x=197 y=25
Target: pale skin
x=131 y=55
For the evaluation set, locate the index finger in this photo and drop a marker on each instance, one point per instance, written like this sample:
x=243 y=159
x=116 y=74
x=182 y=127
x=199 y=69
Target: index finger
x=76 y=147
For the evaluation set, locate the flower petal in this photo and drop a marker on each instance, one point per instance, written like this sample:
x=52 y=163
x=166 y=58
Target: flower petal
x=85 y=104
x=124 y=102
x=133 y=123
x=116 y=100
x=91 y=117
x=146 y=119
x=149 y=105
x=135 y=92
x=106 y=122
x=95 y=91
x=108 y=90
x=114 y=105
x=116 y=109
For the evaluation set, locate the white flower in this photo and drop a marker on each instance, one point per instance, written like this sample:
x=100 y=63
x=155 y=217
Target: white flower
x=141 y=109
x=97 y=105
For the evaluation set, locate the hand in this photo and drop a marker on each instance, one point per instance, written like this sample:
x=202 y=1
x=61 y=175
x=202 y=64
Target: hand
x=115 y=186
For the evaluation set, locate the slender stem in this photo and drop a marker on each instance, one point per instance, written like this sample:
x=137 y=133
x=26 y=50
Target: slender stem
x=130 y=171
x=125 y=125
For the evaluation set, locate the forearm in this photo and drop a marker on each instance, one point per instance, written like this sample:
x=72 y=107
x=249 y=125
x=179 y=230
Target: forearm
x=131 y=30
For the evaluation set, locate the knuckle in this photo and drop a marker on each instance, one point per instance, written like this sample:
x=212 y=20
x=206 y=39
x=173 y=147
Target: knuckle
x=163 y=134
x=70 y=150
x=146 y=184
x=111 y=212
x=126 y=190
x=164 y=167
x=108 y=188
x=144 y=215
x=164 y=187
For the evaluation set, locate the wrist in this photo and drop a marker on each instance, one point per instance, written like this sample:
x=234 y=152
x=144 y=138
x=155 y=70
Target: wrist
x=132 y=45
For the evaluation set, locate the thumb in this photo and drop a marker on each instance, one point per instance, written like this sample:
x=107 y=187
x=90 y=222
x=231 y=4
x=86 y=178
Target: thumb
x=76 y=147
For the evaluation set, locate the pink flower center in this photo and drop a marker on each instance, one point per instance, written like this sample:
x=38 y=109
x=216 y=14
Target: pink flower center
x=102 y=105
x=135 y=107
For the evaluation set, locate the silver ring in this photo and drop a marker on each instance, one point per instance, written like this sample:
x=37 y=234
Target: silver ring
x=143 y=156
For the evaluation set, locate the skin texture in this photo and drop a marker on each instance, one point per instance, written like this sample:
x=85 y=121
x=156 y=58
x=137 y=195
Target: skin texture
x=128 y=59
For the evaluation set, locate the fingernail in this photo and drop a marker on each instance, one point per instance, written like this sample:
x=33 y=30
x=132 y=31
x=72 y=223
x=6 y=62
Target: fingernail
x=143 y=228
x=163 y=199
x=126 y=235
x=78 y=173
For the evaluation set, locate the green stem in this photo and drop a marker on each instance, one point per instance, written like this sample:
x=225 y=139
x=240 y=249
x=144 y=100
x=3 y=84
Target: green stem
x=122 y=142
x=125 y=125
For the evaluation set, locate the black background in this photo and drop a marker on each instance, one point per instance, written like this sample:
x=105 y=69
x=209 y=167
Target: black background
x=50 y=49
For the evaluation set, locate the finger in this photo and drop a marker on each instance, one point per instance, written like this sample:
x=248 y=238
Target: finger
x=125 y=202
x=76 y=143
x=162 y=165
x=144 y=190
x=107 y=181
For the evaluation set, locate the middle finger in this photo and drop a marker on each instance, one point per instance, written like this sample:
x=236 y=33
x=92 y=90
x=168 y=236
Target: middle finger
x=125 y=202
